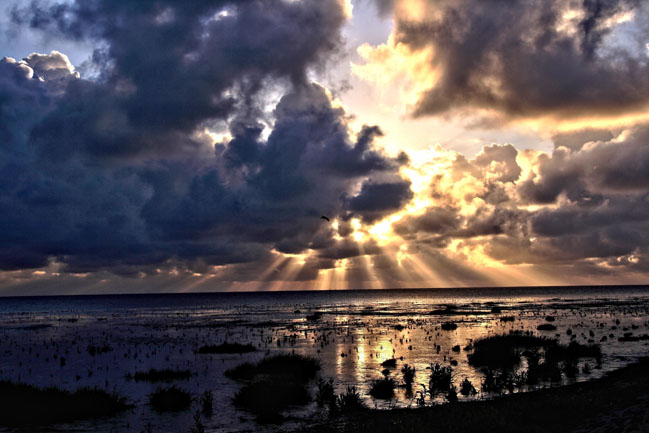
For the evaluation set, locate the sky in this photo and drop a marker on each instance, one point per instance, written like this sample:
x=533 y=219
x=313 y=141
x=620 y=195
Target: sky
x=164 y=146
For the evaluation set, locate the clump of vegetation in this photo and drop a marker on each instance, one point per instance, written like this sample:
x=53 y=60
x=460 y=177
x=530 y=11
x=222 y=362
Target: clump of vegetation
x=573 y=350
x=293 y=367
x=497 y=381
x=628 y=336
x=24 y=404
x=440 y=379
x=198 y=426
x=449 y=326
x=165 y=375
x=504 y=351
x=350 y=400
x=451 y=395
x=268 y=398
x=547 y=359
x=570 y=368
x=207 y=401
x=326 y=394
x=467 y=388
x=408 y=375
x=389 y=363
x=383 y=388
x=314 y=317
x=546 y=327
x=275 y=383
x=170 y=399
x=226 y=348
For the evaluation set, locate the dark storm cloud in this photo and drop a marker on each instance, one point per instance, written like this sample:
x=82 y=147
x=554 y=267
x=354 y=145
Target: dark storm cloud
x=517 y=57
x=114 y=171
x=169 y=67
x=375 y=200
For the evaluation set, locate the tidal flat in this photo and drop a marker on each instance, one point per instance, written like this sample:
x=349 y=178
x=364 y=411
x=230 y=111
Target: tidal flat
x=208 y=357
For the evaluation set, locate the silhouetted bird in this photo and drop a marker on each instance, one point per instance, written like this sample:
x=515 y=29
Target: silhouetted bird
x=324 y=218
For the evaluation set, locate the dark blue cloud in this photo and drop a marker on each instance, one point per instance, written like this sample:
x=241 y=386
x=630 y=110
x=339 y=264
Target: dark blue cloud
x=111 y=172
x=377 y=199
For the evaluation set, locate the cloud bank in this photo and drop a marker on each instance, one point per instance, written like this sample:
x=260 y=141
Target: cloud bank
x=191 y=152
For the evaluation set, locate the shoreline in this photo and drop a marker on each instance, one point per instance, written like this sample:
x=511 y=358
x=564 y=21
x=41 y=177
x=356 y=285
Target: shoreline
x=618 y=401
x=578 y=287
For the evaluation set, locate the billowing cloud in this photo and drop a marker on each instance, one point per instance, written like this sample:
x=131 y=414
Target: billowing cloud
x=376 y=200
x=582 y=208
x=116 y=171
x=529 y=59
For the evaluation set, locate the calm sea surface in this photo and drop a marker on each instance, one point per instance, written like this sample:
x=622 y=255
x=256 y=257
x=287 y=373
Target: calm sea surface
x=355 y=331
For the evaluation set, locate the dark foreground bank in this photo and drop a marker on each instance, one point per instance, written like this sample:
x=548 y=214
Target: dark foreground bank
x=618 y=402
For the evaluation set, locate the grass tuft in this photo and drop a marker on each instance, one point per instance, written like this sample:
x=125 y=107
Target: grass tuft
x=291 y=367
x=274 y=384
x=24 y=404
x=383 y=388
x=170 y=399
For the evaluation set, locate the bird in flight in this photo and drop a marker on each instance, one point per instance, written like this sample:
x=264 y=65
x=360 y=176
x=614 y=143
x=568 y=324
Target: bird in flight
x=324 y=218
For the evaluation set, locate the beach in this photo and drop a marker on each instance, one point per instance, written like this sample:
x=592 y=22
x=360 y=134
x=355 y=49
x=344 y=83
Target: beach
x=132 y=346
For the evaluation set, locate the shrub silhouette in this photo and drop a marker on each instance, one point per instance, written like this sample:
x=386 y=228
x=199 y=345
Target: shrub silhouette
x=383 y=388
x=170 y=399
x=24 y=404
x=274 y=384
x=326 y=394
x=408 y=375
x=350 y=401
x=287 y=366
x=440 y=379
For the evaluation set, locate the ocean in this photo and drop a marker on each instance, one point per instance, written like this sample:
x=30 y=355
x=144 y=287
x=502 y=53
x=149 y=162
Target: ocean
x=351 y=333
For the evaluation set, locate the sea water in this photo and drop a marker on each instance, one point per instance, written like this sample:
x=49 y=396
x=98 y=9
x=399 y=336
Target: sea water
x=352 y=334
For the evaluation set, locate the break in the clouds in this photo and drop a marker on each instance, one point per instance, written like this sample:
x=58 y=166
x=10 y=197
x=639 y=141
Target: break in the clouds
x=195 y=149
x=530 y=58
